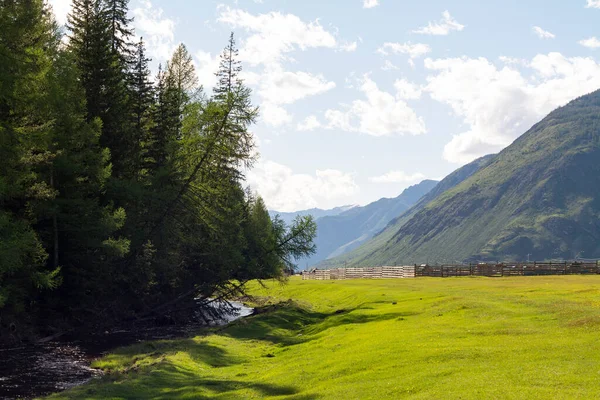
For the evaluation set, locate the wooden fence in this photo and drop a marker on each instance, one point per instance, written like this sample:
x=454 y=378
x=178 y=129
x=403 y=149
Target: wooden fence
x=360 y=273
x=443 y=271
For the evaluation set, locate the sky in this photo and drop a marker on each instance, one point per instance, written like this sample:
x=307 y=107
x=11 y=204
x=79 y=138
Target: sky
x=360 y=99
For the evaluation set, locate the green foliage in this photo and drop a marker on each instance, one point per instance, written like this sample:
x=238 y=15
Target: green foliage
x=430 y=338
x=118 y=195
x=27 y=32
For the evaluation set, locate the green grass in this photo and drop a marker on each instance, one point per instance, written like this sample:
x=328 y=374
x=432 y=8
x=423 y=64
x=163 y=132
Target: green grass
x=452 y=338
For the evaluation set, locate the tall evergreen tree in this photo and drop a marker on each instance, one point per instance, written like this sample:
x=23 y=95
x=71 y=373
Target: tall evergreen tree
x=141 y=99
x=26 y=35
x=181 y=80
x=80 y=230
x=120 y=28
x=99 y=39
x=88 y=40
x=229 y=70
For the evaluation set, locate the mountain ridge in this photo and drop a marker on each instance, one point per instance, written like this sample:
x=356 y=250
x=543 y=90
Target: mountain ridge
x=537 y=197
x=359 y=253
x=340 y=233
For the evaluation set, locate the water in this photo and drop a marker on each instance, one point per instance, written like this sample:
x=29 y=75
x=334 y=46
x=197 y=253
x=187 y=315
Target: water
x=38 y=370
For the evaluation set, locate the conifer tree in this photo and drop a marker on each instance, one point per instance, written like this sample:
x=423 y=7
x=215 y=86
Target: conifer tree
x=83 y=230
x=229 y=70
x=235 y=97
x=27 y=33
x=99 y=39
x=181 y=80
x=141 y=99
x=119 y=28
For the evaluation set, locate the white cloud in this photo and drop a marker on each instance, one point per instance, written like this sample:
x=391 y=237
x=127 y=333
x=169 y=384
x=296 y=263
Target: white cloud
x=446 y=25
x=397 y=177
x=272 y=37
x=349 y=47
x=310 y=123
x=157 y=30
x=275 y=115
x=593 y=4
x=206 y=66
x=278 y=87
x=389 y=66
x=592 y=43
x=542 y=34
x=380 y=115
x=274 y=34
x=407 y=90
x=499 y=104
x=61 y=9
x=413 y=50
x=283 y=190
x=370 y=3
x=513 y=61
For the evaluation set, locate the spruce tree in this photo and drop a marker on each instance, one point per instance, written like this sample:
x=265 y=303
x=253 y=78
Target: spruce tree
x=83 y=229
x=229 y=70
x=141 y=96
x=99 y=39
x=119 y=28
x=27 y=33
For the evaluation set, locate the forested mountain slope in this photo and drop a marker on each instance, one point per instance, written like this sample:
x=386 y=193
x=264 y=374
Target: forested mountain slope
x=538 y=197
x=360 y=254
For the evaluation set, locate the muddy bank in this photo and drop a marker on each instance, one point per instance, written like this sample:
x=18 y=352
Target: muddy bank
x=37 y=370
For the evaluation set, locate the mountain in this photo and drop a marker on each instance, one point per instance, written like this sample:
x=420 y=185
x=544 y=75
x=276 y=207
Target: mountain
x=538 y=197
x=341 y=233
x=288 y=217
x=361 y=254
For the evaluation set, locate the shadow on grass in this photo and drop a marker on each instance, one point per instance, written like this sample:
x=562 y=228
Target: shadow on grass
x=132 y=357
x=169 y=381
x=144 y=371
x=288 y=323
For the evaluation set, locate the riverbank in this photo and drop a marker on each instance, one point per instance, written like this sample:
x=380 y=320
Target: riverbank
x=469 y=338
x=33 y=370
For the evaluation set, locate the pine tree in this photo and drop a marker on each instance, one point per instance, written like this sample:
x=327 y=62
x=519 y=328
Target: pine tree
x=88 y=40
x=141 y=99
x=119 y=27
x=229 y=71
x=99 y=40
x=181 y=80
x=27 y=33
x=85 y=229
x=235 y=99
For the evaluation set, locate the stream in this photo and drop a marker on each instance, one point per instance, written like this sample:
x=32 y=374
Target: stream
x=38 y=370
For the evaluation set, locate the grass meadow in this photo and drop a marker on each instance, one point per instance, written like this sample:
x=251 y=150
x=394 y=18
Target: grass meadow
x=424 y=338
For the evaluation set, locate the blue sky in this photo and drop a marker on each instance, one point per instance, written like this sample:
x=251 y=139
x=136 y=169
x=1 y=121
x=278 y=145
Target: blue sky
x=362 y=98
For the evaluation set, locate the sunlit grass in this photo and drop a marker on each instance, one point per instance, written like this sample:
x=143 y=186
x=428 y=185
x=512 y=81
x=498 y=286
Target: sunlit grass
x=468 y=338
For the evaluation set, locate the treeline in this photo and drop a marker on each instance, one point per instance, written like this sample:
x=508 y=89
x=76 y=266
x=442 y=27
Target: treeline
x=121 y=192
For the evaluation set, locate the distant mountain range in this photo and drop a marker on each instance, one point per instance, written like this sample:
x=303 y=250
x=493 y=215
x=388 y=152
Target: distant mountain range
x=362 y=254
x=538 y=198
x=344 y=228
x=317 y=213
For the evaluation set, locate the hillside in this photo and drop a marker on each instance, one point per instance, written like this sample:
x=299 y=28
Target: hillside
x=317 y=213
x=361 y=254
x=538 y=197
x=339 y=234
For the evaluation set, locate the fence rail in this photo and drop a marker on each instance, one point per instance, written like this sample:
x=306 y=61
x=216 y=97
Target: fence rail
x=443 y=271
x=360 y=273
